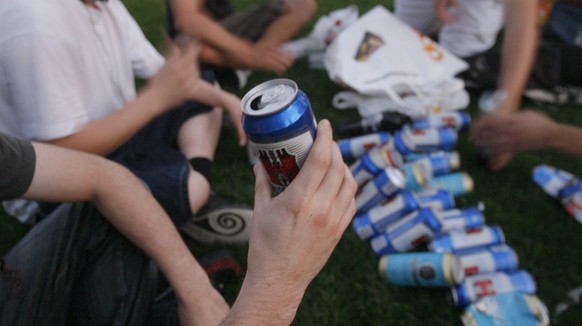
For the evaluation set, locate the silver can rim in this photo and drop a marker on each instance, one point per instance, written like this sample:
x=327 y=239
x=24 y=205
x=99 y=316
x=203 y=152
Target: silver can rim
x=250 y=95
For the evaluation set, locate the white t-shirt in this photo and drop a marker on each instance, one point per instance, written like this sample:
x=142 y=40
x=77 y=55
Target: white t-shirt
x=64 y=64
x=479 y=22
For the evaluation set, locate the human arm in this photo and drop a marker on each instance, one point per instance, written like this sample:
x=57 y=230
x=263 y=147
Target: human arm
x=221 y=47
x=65 y=175
x=293 y=234
x=177 y=81
x=525 y=130
x=518 y=51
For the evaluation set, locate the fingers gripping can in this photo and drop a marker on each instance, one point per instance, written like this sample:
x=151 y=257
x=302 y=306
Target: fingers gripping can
x=281 y=127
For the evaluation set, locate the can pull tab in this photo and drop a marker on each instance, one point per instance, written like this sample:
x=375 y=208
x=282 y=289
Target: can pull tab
x=273 y=95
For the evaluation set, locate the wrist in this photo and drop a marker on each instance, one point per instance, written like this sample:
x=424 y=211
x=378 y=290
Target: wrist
x=268 y=300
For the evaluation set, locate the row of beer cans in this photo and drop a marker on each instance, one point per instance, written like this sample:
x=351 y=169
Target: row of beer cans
x=408 y=182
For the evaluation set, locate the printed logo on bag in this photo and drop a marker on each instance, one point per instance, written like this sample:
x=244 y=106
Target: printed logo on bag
x=368 y=46
x=430 y=47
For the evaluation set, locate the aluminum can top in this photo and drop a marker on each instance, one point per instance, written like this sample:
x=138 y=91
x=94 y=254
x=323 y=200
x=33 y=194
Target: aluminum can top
x=269 y=97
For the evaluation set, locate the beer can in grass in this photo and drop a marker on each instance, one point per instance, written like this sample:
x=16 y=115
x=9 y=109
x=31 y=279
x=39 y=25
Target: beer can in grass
x=421 y=269
x=477 y=286
x=353 y=148
x=460 y=241
x=281 y=127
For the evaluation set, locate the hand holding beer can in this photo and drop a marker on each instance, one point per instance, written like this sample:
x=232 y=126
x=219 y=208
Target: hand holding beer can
x=281 y=127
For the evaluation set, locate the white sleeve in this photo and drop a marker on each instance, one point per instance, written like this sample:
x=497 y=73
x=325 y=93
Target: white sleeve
x=145 y=59
x=44 y=85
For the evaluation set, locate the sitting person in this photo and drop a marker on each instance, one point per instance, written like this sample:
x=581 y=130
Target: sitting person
x=68 y=78
x=242 y=40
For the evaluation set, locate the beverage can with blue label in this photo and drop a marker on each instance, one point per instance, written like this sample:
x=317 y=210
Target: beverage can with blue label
x=410 y=140
x=384 y=186
x=453 y=119
x=281 y=127
x=407 y=233
x=460 y=218
x=499 y=258
x=440 y=162
x=374 y=161
x=435 y=199
x=421 y=269
x=477 y=286
x=353 y=148
x=377 y=219
x=457 y=241
x=510 y=308
x=458 y=183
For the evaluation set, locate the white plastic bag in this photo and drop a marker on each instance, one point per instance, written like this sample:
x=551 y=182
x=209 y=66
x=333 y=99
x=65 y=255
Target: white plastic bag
x=324 y=31
x=379 y=56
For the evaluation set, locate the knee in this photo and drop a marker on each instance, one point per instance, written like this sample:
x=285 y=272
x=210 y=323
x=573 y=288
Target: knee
x=304 y=10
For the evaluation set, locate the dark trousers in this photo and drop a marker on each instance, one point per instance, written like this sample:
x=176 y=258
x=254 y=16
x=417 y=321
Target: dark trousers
x=74 y=268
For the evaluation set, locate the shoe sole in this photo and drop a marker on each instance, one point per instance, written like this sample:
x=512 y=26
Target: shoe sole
x=228 y=225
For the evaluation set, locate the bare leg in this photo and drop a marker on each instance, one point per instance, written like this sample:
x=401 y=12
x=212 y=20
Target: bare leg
x=295 y=15
x=198 y=137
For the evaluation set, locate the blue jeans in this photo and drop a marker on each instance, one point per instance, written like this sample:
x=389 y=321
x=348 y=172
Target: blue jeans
x=76 y=269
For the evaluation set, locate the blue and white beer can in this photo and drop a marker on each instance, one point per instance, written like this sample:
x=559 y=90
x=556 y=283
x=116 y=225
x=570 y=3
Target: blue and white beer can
x=378 y=218
x=374 y=161
x=407 y=233
x=499 y=258
x=409 y=140
x=440 y=162
x=458 y=183
x=435 y=199
x=421 y=269
x=551 y=179
x=475 y=287
x=460 y=219
x=417 y=175
x=457 y=241
x=458 y=120
x=510 y=308
x=353 y=148
x=281 y=127
x=384 y=186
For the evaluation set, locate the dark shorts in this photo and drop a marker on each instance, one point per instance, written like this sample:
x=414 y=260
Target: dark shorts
x=153 y=156
x=251 y=24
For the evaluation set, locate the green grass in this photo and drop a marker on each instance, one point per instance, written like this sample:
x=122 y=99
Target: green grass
x=349 y=290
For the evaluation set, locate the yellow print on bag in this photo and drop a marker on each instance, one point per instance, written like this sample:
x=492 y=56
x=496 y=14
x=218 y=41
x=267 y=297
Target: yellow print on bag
x=429 y=46
x=368 y=46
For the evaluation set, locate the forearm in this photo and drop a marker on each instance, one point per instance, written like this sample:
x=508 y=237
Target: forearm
x=518 y=52
x=129 y=206
x=263 y=302
x=567 y=139
x=211 y=95
x=104 y=135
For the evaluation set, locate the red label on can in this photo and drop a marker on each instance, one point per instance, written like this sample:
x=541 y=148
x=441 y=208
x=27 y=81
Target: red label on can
x=284 y=159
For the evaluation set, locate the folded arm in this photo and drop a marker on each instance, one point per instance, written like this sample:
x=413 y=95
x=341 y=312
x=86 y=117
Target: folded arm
x=65 y=175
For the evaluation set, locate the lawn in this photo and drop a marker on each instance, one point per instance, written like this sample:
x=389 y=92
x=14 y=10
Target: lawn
x=349 y=290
